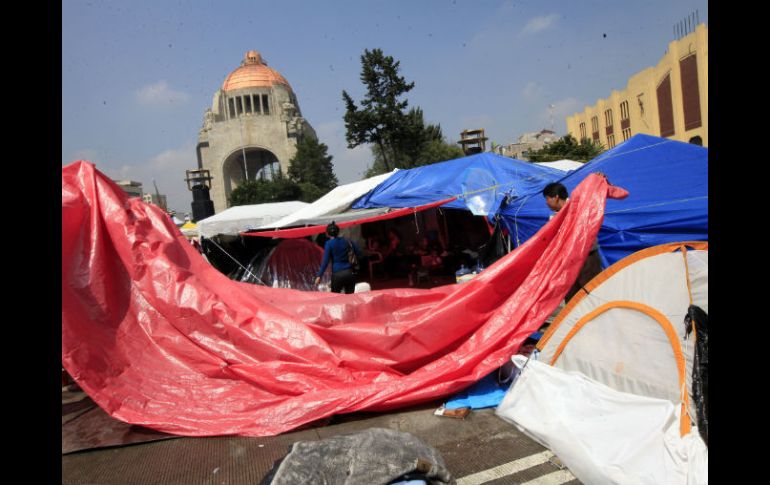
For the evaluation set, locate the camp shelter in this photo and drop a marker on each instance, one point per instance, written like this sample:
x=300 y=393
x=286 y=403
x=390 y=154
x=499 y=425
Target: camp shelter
x=620 y=356
x=476 y=182
x=667 y=181
x=471 y=179
x=241 y=218
x=334 y=203
x=189 y=229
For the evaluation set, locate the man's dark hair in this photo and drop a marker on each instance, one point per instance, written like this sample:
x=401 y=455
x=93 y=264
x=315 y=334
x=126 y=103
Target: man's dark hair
x=333 y=230
x=555 y=189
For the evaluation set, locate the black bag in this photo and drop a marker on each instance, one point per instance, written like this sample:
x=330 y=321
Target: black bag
x=353 y=258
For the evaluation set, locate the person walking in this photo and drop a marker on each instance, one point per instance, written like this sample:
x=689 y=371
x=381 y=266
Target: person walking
x=336 y=251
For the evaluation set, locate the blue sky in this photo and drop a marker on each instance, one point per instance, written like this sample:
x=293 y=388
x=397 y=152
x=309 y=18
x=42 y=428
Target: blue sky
x=137 y=76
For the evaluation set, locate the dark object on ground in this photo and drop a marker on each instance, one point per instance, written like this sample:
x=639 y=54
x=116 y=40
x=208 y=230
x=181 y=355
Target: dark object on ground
x=373 y=456
x=699 y=319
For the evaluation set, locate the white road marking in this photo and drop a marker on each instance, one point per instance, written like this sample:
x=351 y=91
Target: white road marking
x=555 y=478
x=505 y=469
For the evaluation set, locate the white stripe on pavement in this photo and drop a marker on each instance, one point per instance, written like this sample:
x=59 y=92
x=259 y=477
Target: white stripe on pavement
x=555 y=478
x=505 y=469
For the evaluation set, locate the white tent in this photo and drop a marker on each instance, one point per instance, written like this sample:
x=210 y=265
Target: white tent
x=565 y=165
x=612 y=393
x=243 y=218
x=338 y=200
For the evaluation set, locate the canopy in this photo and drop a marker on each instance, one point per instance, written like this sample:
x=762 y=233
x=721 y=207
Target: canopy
x=159 y=338
x=668 y=183
x=468 y=175
x=338 y=200
x=242 y=218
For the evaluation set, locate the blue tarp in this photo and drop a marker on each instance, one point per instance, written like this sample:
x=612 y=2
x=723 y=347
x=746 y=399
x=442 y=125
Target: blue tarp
x=667 y=182
x=468 y=175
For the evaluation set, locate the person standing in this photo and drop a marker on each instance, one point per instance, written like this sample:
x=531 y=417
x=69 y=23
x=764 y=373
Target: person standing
x=556 y=197
x=336 y=252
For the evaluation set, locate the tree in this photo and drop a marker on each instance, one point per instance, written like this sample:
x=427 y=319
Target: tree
x=312 y=169
x=418 y=144
x=567 y=147
x=380 y=118
x=280 y=189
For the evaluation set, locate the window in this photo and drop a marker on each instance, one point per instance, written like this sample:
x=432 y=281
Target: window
x=231 y=104
x=608 y=118
x=582 y=131
x=257 y=108
x=688 y=68
x=248 y=104
x=595 y=128
x=265 y=105
x=239 y=105
x=624 y=110
x=626 y=133
x=665 y=107
x=610 y=141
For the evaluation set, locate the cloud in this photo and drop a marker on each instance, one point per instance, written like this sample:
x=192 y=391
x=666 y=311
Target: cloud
x=160 y=93
x=539 y=24
x=532 y=91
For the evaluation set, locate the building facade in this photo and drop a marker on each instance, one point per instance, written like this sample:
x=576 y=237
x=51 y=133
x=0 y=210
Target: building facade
x=669 y=100
x=527 y=142
x=131 y=187
x=251 y=130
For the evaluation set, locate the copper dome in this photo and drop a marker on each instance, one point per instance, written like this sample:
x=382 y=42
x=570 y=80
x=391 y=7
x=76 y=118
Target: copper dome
x=253 y=73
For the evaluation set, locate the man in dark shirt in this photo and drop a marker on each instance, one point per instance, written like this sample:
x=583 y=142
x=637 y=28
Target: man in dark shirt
x=336 y=251
x=556 y=196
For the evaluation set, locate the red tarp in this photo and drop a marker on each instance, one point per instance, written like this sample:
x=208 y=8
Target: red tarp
x=159 y=338
x=310 y=230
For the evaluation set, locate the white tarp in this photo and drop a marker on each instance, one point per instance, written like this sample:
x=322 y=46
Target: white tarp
x=565 y=165
x=602 y=435
x=246 y=217
x=336 y=201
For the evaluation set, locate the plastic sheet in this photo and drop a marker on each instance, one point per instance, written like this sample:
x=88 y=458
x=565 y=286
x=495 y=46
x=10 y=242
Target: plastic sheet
x=292 y=263
x=698 y=320
x=159 y=338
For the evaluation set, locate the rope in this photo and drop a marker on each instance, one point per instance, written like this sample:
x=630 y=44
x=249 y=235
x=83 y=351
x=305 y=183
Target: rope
x=236 y=262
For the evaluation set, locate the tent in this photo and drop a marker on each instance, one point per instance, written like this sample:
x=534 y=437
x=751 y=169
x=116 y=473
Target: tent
x=159 y=338
x=620 y=354
x=668 y=185
x=474 y=180
x=334 y=203
x=243 y=218
x=189 y=229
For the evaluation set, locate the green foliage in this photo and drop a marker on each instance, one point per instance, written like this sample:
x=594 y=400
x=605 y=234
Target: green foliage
x=280 y=189
x=567 y=147
x=312 y=169
x=380 y=118
x=419 y=144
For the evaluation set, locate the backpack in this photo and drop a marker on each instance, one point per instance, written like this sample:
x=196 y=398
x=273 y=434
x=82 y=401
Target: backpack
x=352 y=258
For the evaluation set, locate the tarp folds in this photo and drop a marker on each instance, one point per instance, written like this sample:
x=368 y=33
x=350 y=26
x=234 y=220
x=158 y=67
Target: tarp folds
x=604 y=436
x=159 y=338
x=422 y=185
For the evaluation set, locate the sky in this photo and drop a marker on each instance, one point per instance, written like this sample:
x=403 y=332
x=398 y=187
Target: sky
x=138 y=76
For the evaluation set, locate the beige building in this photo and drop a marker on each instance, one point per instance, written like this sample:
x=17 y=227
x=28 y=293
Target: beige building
x=251 y=129
x=527 y=143
x=669 y=100
x=130 y=187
